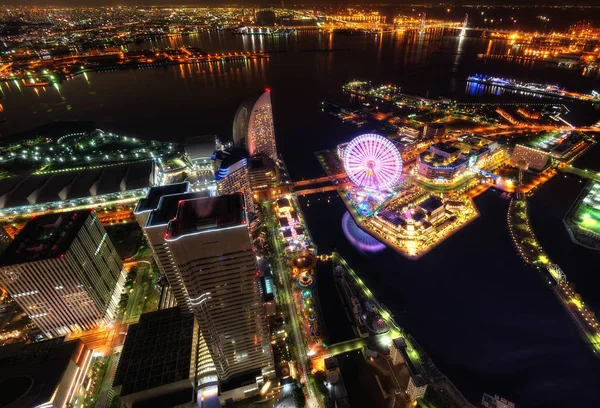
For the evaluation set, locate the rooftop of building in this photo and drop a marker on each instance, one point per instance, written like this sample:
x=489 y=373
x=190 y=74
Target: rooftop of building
x=157 y=351
x=210 y=213
x=227 y=158
x=200 y=147
x=167 y=207
x=331 y=363
x=240 y=380
x=44 y=237
x=434 y=160
x=30 y=373
x=445 y=147
x=150 y=202
x=283 y=202
x=399 y=343
x=431 y=204
x=47 y=188
x=259 y=163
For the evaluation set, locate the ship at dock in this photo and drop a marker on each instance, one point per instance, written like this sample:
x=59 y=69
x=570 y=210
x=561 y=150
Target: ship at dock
x=248 y=30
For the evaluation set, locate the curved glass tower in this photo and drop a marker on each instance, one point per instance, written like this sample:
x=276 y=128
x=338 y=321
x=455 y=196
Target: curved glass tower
x=253 y=126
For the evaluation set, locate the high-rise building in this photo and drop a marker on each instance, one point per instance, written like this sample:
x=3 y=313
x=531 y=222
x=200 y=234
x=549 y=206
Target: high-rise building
x=153 y=214
x=211 y=246
x=64 y=272
x=158 y=365
x=232 y=174
x=263 y=171
x=253 y=126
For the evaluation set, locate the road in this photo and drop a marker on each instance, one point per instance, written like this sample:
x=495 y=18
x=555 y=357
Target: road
x=106 y=387
x=282 y=270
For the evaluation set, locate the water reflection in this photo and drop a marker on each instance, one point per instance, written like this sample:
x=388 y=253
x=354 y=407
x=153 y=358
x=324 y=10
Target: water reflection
x=359 y=239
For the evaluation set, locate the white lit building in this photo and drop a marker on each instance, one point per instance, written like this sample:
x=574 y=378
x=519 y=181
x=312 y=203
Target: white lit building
x=64 y=272
x=211 y=246
x=153 y=214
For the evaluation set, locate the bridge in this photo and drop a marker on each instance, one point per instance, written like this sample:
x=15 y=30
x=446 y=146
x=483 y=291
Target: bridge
x=587 y=174
x=272 y=192
x=339 y=348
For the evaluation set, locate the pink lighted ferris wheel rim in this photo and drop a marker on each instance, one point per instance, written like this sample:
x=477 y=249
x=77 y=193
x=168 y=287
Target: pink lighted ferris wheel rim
x=372 y=161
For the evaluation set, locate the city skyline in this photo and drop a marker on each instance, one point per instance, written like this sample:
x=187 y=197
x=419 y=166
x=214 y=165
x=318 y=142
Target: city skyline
x=300 y=206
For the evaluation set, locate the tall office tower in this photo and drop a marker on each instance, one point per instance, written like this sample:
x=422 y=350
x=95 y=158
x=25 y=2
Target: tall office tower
x=253 y=126
x=64 y=272
x=153 y=214
x=212 y=249
x=231 y=174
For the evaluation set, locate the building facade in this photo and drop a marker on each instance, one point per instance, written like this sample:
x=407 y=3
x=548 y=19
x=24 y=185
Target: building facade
x=158 y=361
x=154 y=232
x=263 y=172
x=536 y=159
x=441 y=162
x=232 y=174
x=253 y=127
x=211 y=246
x=64 y=272
x=153 y=214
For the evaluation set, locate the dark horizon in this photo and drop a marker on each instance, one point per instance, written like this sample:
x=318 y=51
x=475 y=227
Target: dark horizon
x=270 y=3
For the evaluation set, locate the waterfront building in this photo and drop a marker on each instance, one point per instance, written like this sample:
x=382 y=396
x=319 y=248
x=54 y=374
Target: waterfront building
x=64 y=272
x=413 y=219
x=158 y=364
x=441 y=162
x=48 y=373
x=253 y=127
x=536 y=158
x=417 y=387
x=417 y=383
x=332 y=370
x=211 y=246
x=263 y=171
x=341 y=149
x=85 y=186
x=396 y=351
x=232 y=174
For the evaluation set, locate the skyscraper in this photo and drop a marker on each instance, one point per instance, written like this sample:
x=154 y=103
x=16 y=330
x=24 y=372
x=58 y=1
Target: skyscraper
x=153 y=214
x=64 y=272
x=253 y=126
x=231 y=174
x=211 y=247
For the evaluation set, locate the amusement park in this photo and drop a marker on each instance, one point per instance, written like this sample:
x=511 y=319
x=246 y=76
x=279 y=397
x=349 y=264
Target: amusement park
x=392 y=205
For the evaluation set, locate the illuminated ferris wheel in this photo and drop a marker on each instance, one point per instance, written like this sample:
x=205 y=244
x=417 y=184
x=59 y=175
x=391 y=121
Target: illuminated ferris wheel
x=372 y=161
